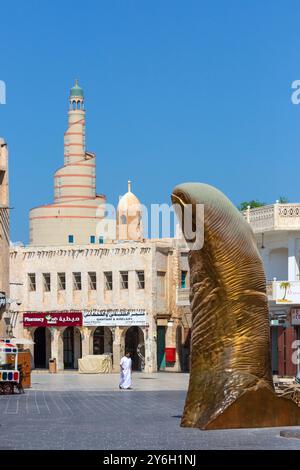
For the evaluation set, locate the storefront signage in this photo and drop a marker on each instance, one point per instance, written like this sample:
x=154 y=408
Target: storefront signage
x=52 y=319
x=287 y=292
x=116 y=317
x=295 y=316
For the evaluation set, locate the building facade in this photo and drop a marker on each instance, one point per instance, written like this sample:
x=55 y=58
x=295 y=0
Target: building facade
x=4 y=234
x=277 y=231
x=89 y=282
x=122 y=294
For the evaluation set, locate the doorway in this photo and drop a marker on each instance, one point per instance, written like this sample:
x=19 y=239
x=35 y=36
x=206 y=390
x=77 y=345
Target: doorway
x=68 y=339
x=40 y=348
x=134 y=342
x=161 y=344
x=72 y=347
x=102 y=340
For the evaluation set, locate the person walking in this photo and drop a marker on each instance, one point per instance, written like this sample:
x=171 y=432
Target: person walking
x=125 y=372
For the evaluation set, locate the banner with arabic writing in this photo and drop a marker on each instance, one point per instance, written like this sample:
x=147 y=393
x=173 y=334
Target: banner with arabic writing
x=52 y=319
x=114 y=317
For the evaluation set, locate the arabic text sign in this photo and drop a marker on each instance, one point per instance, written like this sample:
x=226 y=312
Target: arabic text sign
x=52 y=319
x=287 y=292
x=114 y=318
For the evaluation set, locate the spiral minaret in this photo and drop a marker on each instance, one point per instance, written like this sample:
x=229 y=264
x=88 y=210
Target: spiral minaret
x=77 y=209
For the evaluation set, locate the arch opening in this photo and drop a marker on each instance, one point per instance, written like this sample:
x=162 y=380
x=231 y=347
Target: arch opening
x=135 y=344
x=42 y=347
x=102 y=340
x=72 y=347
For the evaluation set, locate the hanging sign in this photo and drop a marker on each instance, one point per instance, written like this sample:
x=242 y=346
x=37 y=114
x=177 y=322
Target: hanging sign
x=287 y=292
x=114 y=317
x=52 y=319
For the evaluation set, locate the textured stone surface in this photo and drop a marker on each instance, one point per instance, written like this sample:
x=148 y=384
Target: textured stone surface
x=68 y=411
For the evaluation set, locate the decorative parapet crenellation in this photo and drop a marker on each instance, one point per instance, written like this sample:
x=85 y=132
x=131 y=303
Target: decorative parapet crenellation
x=274 y=217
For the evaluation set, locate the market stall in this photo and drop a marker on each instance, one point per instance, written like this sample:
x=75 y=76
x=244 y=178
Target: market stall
x=95 y=364
x=9 y=373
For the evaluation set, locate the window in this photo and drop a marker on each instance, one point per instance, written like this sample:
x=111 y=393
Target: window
x=77 y=281
x=61 y=281
x=92 y=277
x=124 y=279
x=92 y=239
x=161 y=283
x=108 y=280
x=140 y=279
x=46 y=282
x=123 y=220
x=31 y=282
x=183 y=279
x=101 y=240
x=71 y=238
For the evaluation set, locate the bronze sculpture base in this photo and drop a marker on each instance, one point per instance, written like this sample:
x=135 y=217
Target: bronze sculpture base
x=231 y=384
x=258 y=407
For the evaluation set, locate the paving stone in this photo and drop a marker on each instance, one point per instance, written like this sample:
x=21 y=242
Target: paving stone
x=51 y=415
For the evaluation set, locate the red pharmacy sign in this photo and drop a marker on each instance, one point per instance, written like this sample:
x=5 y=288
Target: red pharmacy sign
x=52 y=319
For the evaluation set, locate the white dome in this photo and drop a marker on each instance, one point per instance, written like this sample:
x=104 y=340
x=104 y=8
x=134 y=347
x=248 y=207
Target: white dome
x=129 y=200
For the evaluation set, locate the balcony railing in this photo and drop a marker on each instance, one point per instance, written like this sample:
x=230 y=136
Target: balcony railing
x=274 y=217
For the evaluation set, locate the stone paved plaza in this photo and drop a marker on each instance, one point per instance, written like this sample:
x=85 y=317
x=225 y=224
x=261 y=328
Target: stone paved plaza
x=73 y=411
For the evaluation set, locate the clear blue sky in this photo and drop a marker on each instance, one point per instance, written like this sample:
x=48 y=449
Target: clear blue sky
x=175 y=91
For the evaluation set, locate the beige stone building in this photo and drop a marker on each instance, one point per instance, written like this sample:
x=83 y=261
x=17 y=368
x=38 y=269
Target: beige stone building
x=89 y=283
x=125 y=278
x=4 y=233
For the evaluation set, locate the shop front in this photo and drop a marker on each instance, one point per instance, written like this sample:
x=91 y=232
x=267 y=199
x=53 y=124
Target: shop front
x=69 y=336
x=56 y=335
x=285 y=339
x=115 y=331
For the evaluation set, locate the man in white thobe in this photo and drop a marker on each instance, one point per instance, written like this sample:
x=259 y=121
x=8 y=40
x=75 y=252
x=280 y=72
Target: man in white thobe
x=125 y=371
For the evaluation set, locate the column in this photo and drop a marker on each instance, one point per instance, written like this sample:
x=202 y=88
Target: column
x=151 y=346
x=29 y=334
x=57 y=347
x=117 y=336
x=86 y=340
x=150 y=349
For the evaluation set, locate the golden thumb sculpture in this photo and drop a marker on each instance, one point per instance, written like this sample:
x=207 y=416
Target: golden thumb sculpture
x=231 y=378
